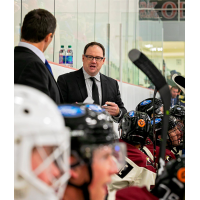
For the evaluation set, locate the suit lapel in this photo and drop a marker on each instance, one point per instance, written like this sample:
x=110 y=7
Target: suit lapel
x=103 y=88
x=81 y=83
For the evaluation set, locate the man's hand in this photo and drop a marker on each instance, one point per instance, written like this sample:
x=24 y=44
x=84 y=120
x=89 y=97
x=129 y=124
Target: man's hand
x=112 y=108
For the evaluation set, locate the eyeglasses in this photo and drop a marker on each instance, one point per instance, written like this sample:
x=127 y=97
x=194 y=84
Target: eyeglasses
x=98 y=59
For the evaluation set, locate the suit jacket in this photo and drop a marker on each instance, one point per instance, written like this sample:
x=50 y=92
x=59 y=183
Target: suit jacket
x=31 y=71
x=74 y=89
x=176 y=101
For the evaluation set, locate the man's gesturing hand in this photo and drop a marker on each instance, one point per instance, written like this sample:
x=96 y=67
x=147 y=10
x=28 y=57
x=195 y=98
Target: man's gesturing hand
x=112 y=108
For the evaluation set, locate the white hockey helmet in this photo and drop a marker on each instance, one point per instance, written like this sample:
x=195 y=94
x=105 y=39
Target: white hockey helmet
x=39 y=125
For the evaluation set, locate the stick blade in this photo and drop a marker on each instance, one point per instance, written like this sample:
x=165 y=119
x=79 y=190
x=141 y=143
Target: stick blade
x=180 y=81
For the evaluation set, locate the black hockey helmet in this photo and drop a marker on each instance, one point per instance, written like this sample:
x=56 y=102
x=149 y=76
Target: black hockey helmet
x=171 y=183
x=158 y=126
x=91 y=126
x=135 y=127
x=92 y=129
x=159 y=122
x=174 y=136
x=172 y=126
x=147 y=106
x=178 y=111
x=172 y=122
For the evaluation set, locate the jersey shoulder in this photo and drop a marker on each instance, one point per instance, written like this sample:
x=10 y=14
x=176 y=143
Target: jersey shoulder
x=139 y=158
x=169 y=155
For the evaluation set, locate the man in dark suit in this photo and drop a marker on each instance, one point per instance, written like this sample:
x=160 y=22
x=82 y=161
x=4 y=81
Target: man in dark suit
x=174 y=96
x=88 y=82
x=30 y=66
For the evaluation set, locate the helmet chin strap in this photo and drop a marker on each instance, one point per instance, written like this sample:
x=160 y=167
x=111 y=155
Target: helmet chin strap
x=84 y=186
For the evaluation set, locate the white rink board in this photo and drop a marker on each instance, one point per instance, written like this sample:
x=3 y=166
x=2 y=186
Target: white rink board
x=131 y=94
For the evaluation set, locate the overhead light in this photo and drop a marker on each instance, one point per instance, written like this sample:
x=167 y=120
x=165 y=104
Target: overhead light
x=153 y=49
x=156 y=49
x=148 y=45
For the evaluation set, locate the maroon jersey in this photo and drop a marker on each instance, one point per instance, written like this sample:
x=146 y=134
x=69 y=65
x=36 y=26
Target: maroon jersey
x=168 y=154
x=139 y=158
x=148 y=141
x=137 y=171
x=134 y=193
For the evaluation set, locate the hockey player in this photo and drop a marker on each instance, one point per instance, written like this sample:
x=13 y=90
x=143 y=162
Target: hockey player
x=139 y=168
x=179 y=113
x=169 y=185
x=147 y=106
x=41 y=147
x=173 y=138
x=173 y=133
x=94 y=154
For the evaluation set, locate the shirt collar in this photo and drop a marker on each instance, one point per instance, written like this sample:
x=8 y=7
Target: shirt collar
x=87 y=76
x=39 y=53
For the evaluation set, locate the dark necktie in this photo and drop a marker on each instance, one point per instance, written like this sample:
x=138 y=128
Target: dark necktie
x=48 y=66
x=95 y=93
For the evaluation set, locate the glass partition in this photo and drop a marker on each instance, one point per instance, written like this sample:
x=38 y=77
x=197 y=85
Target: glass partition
x=130 y=26
x=67 y=28
x=86 y=24
x=17 y=21
x=151 y=44
x=101 y=30
x=116 y=24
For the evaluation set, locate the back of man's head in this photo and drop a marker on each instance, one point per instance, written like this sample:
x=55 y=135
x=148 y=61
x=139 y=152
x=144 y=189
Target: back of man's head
x=37 y=25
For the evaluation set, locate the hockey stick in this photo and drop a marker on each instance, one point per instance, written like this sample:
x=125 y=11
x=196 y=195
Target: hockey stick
x=144 y=64
x=180 y=81
x=154 y=133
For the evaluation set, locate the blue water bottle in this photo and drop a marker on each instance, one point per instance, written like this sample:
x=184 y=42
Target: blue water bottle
x=69 y=56
x=62 y=55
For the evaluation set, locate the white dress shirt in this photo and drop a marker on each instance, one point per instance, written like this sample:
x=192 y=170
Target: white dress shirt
x=34 y=49
x=89 y=84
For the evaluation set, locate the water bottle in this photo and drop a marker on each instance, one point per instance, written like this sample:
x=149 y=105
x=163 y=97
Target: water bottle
x=62 y=54
x=69 y=56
